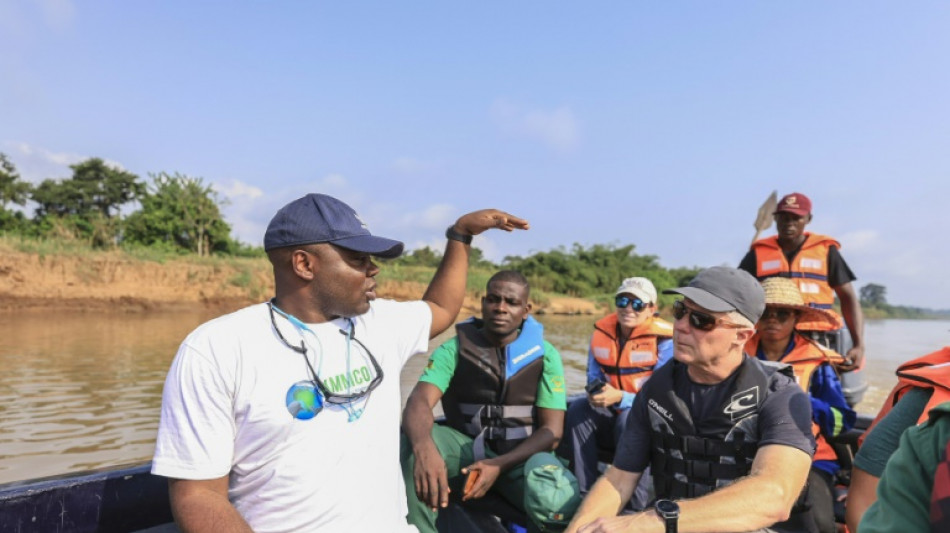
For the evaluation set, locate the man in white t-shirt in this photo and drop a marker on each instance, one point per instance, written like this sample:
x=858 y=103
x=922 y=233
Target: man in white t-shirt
x=284 y=416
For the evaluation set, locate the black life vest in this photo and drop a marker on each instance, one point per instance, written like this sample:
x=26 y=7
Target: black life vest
x=689 y=461
x=492 y=393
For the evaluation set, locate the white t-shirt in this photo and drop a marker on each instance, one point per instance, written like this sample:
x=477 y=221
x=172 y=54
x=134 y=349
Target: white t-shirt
x=225 y=409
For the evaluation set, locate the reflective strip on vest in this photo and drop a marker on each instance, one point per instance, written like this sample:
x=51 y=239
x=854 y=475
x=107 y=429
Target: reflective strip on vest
x=629 y=369
x=491 y=433
x=809 y=269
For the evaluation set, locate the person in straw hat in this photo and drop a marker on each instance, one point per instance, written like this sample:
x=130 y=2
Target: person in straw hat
x=776 y=339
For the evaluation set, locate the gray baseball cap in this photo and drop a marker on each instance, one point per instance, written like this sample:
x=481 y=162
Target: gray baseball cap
x=722 y=289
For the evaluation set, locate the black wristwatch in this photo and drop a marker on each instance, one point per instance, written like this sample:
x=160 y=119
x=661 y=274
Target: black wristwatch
x=669 y=511
x=456 y=236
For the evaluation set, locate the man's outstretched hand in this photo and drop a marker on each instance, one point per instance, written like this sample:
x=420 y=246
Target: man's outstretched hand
x=476 y=222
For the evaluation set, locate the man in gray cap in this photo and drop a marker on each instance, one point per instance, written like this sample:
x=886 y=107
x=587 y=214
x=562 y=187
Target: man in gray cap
x=266 y=420
x=728 y=437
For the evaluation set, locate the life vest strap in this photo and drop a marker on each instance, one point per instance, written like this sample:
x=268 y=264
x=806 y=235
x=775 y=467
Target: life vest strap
x=694 y=469
x=484 y=422
x=618 y=371
x=493 y=433
x=495 y=412
x=693 y=445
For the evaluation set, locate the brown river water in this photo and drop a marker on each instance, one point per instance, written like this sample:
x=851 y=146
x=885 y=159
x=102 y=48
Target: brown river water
x=83 y=390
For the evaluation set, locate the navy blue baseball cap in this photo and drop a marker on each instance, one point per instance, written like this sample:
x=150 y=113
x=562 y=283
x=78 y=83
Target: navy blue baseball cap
x=320 y=218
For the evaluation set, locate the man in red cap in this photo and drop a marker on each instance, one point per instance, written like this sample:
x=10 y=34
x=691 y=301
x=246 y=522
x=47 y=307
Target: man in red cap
x=815 y=264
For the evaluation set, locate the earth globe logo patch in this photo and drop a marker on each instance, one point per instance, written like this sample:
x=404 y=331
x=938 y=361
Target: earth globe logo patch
x=304 y=401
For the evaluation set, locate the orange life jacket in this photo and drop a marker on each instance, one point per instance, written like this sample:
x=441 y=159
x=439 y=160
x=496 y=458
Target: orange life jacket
x=931 y=371
x=631 y=367
x=809 y=269
x=805 y=358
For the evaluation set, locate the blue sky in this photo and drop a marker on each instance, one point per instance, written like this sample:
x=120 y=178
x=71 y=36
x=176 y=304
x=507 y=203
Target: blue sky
x=663 y=124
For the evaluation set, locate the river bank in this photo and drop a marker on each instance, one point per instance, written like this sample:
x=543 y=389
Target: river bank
x=114 y=281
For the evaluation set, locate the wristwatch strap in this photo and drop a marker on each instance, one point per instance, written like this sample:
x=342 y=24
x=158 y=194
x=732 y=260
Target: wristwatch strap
x=456 y=236
x=671 y=524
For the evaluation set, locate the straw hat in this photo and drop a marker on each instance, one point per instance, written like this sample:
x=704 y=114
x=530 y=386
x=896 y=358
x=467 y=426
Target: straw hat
x=783 y=292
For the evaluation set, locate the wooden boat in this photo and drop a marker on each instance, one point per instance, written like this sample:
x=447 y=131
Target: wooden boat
x=129 y=498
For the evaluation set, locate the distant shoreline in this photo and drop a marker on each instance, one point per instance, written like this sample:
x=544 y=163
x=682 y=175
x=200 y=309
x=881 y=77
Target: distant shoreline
x=115 y=282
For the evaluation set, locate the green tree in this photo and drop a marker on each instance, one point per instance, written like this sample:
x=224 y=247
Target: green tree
x=181 y=212
x=94 y=187
x=873 y=295
x=87 y=204
x=593 y=271
x=476 y=258
x=12 y=191
x=424 y=256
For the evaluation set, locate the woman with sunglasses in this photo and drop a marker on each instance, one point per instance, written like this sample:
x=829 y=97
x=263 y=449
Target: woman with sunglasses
x=776 y=339
x=625 y=348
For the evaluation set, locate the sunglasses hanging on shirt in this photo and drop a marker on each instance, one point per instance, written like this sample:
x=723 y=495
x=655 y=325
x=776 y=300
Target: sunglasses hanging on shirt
x=305 y=404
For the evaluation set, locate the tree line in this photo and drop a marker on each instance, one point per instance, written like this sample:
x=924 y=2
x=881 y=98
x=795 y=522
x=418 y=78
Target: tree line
x=176 y=212
x=873 y=298
x=592 y=272
x=182 y=214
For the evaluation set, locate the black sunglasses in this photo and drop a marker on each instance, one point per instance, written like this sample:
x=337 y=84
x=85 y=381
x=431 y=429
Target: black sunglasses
x=623 y=301
x=699 y=320
x=778 y=314
x=328 y=395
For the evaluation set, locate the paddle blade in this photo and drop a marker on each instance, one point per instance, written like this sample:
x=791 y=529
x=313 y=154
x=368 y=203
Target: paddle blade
x=763 y=219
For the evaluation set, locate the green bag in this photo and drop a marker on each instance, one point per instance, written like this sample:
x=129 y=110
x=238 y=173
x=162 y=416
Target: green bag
x=551 y=495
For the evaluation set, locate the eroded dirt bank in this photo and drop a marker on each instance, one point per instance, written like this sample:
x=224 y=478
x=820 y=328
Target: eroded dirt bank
x=114 y=282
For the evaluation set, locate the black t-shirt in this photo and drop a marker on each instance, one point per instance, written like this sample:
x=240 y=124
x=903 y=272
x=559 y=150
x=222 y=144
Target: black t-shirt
x=838 y=271
x=784 y=418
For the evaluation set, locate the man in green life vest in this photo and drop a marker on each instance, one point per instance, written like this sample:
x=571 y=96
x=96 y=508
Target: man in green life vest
x=502 y=391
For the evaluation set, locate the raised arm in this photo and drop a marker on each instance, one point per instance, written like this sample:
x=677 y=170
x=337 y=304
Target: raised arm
x=447 y=289
x=203 y=506
x=430 y=476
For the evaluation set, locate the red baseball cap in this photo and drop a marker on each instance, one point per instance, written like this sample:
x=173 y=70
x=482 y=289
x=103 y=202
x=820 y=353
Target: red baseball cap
x=795 y=203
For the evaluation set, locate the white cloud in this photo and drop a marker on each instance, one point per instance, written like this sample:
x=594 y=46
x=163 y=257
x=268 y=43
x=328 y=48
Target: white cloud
x=13 y=21
x=557 y=128
x=58 y=14
x=232 y=189
x=861 y=240
x=333 y=182
x=437 y=244
x=36 y=163
x=489 y=248
x=437 y=216
x=410 y=165
x=242 y=209
x=249 y=209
